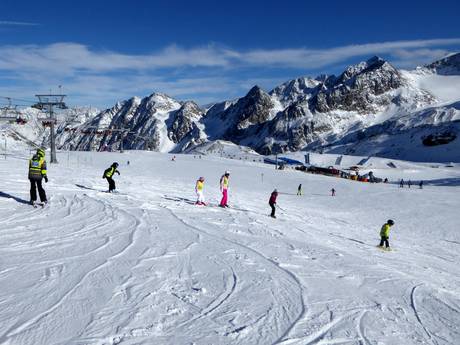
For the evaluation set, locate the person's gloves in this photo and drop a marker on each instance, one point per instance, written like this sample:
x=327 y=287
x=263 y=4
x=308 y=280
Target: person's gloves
x=46 y=178
x=118 y=172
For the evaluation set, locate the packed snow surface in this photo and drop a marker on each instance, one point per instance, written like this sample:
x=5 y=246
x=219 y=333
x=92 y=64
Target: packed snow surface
x=147 y=266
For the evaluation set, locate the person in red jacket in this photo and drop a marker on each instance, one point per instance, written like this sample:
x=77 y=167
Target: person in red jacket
x=272 y=202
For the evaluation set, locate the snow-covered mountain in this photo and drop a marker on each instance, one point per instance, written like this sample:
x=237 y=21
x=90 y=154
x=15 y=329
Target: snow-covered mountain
x=324 y=113
x=157 y=122
x=450 y=65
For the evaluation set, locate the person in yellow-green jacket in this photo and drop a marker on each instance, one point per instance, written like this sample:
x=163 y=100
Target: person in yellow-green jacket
x=108 y=174
x=199 y=186
x=37 y=172
x=385 y=234
x=224 y=189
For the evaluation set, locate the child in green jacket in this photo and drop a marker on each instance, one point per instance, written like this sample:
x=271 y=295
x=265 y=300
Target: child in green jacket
x=385 y=234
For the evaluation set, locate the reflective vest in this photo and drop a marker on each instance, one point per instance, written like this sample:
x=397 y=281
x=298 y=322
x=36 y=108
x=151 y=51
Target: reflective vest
x=109 y=172
x=37 y=167
x=199 y=185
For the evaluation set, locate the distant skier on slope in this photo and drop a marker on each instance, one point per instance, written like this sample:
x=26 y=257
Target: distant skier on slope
x=199 y=186
x=299 y=189
x=401 y=183
x=37 y=172
x=224 y=189
x=108 y=174
x=420 y=184
x=385 y=234
x=332 y=192
x=272 y=202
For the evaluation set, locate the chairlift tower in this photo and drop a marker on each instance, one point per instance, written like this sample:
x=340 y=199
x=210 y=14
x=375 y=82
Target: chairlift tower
x=47 y=104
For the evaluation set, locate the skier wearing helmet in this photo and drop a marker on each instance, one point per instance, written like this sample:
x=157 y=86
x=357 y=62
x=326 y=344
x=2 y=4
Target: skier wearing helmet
x=385 y=234
x=108 y=174
x=37 y=172
x=224 y=189
x=272 y=202
x=199 y=186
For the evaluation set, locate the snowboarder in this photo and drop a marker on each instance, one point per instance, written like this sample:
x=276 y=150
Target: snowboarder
x=272 y=202
x=299 y=189
x=173 y=158
x=409 y=183
x=332 y=192
x=199 y=191
x=421 y=184
x=37 y=172
x=224 y=189
x=127 y=163
x=108 y=174
x=386 y=180
x=385 y=234
x=401 y=183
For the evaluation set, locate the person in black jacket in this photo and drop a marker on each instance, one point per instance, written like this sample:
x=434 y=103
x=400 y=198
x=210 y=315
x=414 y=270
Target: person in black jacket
x=108 y=174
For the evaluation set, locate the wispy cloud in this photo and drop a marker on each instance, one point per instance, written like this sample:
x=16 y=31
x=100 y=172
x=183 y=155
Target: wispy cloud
x=203 y=72
x=14 y=23
x=72 y=57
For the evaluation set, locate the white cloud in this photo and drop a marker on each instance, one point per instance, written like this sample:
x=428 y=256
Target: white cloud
x=14 y=23
x=315 y=58
x=70 y=58
x=102 y=77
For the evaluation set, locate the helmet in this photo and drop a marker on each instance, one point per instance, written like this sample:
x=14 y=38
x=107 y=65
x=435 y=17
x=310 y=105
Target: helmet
x=227 y=172
x=115 y=164
x=41 y=152
x=201 y=178
x=275 y=191
x=389 y=221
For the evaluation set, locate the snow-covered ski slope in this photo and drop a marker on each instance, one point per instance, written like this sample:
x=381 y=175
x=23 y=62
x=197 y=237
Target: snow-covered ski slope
x=147 y=266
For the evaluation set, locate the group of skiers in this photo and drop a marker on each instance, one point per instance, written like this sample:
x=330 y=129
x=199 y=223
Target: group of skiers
x=38 y=172
x=409 y=183
x=224 y=183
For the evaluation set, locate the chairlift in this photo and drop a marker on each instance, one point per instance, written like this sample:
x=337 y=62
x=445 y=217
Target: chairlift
x=21 y=121
x=12 y=116
x=47 y=122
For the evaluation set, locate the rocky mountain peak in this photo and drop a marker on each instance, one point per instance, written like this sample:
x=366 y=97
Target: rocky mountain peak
x=160 y=101
x=295 y=90
x=449 y=65
x=253 y=108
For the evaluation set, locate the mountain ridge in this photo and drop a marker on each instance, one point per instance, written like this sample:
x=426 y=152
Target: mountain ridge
x=302 y=113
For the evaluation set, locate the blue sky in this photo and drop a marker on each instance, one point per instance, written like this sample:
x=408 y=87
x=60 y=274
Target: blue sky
x=105 y=51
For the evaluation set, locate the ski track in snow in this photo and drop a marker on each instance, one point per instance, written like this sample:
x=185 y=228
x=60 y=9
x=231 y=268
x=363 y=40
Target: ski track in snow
x=147 y=266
